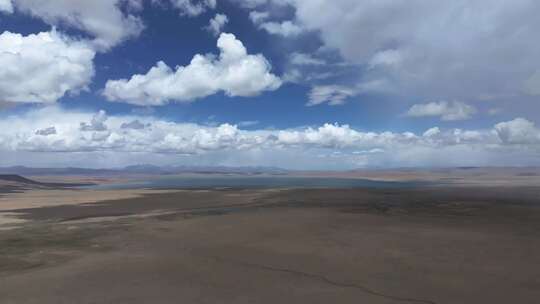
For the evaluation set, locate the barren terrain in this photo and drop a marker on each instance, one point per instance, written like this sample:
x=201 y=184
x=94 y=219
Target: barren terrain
x=423 y=245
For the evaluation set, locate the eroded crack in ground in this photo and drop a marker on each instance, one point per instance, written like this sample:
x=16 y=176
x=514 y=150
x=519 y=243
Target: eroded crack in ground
x=322 y=278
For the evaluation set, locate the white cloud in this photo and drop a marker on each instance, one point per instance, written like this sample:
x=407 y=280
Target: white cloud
x=134 y=5
x=285 y=28
x=305 y=59
x=234 y=72
x=518 y=131
x=135 y=124
x=103 y=19
x=217 y=23
x=41 y=68
x=251 y=3
x=370 y=151
x=333 y=94
x=448 y=111
x=96 y=124
x=6 y=6
x=532 y=84
x=386 y=58
x=292 y=75
x=432 y=132
x=46 y=131
x=148 y=138
x=193 y=7
x=454 y=49
x=258 y=17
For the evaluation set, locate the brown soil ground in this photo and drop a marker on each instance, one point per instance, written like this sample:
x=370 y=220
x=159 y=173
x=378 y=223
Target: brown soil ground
x=431 y=245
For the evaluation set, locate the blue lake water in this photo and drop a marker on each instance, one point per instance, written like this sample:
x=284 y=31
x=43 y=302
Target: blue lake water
x=198 y=182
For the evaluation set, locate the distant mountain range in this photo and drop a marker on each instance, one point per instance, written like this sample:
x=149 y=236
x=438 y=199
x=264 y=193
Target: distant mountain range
x=143 y=169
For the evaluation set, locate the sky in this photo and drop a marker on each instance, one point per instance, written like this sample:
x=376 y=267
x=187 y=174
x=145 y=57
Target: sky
x=297 y=84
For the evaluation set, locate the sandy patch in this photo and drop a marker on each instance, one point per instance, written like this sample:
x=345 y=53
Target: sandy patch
x=9 y=220
x=37 y=198
x=47 y=198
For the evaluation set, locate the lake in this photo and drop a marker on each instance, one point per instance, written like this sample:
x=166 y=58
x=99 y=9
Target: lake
x=198 y=182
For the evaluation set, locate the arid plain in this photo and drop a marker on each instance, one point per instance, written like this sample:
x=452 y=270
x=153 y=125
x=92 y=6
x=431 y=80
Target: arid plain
x=472 y=237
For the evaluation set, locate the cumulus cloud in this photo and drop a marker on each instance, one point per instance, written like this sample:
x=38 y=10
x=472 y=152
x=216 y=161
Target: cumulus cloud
x=41 y=68
x=454 y=49
x=518 y=131
x=217 y=23
x=134 y=5
x=103 y=19
x=335 y=94
x=135 y=124
x=448 y=111
x=512 y=142
x=234 y=72
x=250 y=3
x=305 y=59
x=431 y=132
x=258 y=17
x=96 y=124
x=46 y=131
x=193 y=7
x=386 y=58
x=6 y=6
x=332 y=94
x=285 y=28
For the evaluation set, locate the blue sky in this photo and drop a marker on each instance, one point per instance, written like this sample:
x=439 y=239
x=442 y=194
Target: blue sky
x=381 y=75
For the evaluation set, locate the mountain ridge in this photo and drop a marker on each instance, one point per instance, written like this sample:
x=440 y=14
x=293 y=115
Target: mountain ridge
x=140 y=169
